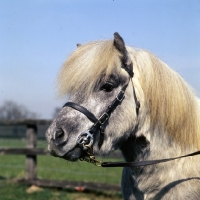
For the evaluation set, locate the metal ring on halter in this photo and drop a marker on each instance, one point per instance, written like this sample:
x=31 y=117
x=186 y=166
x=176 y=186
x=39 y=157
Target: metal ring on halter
x=85 y=139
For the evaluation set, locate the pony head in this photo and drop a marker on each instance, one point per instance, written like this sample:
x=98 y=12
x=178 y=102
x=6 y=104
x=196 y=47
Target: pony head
x=92 y=77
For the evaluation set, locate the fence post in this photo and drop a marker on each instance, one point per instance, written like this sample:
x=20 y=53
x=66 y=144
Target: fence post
x=31 y=160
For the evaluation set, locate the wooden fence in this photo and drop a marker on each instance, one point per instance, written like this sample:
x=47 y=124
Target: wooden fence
x=31 y=151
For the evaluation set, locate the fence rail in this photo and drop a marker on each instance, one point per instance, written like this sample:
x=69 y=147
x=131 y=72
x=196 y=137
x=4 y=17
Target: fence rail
x=25 y=151
x=31 y=152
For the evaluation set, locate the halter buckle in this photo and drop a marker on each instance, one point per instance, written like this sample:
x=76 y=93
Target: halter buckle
x=104 y=118
x=120 y=96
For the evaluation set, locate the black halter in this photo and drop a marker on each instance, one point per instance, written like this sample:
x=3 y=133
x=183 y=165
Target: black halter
x=85 y=139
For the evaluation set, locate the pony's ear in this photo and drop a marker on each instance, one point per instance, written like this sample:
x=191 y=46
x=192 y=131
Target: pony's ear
x=78 y=45
x=120 y=46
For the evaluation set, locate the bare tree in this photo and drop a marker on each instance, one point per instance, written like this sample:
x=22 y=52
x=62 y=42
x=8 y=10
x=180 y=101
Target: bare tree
x=13 y=111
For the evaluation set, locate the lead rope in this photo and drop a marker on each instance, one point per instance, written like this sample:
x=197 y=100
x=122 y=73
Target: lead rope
x=146 y=162
x=93 y=160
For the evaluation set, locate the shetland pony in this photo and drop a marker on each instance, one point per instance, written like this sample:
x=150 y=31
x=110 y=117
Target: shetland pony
x=167 y=124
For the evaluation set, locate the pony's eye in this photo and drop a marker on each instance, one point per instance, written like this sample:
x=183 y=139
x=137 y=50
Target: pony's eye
x=107 y=87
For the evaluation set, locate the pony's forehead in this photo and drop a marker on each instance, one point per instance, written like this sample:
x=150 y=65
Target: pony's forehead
x=86 y=66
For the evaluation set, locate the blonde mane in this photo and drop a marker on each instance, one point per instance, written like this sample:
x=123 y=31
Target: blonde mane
x=169 y=99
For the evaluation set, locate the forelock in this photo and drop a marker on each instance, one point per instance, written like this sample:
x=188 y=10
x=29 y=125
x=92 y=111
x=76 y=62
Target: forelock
x=86 y=65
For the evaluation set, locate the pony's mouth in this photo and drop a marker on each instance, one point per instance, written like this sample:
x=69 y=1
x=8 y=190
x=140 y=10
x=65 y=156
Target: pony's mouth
x=74 y=154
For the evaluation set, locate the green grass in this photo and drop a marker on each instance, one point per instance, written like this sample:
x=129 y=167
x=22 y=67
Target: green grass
x=77 y=171
x=48 y=167
x=10 y=191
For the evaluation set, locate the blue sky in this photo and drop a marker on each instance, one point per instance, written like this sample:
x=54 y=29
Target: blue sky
x=36 y=36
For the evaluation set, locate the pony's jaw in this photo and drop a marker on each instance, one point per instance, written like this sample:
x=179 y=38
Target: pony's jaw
x=72 y=155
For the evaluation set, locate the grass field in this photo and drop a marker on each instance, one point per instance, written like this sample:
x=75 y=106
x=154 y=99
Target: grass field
x=9 y=191
x=48 y=167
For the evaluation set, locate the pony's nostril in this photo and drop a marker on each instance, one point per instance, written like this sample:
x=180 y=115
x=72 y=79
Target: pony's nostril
x=59 y=137
x=59 y=134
